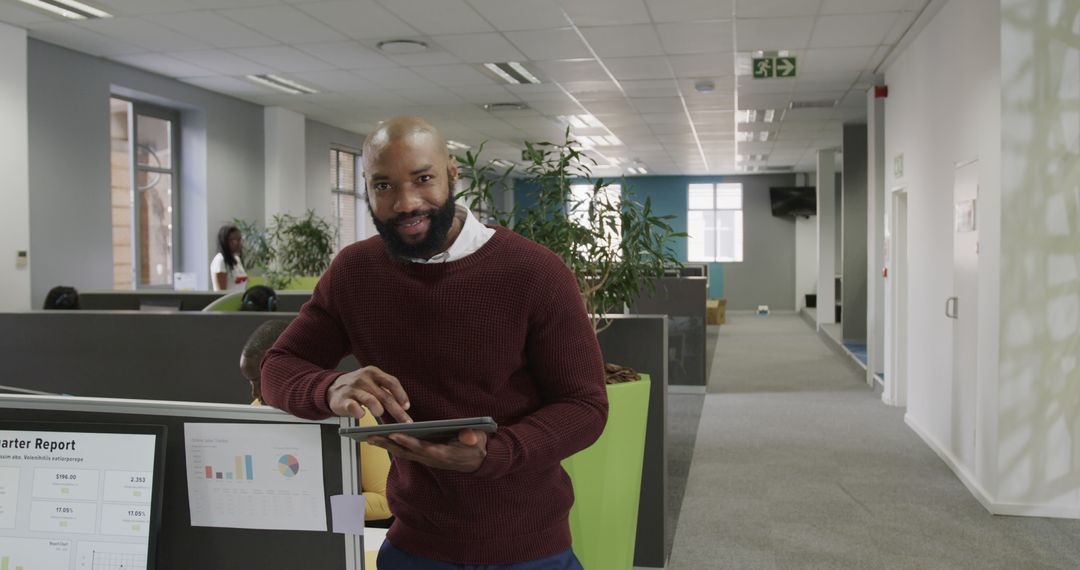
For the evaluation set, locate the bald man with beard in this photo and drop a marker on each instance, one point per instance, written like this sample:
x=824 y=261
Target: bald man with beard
x=450 y=318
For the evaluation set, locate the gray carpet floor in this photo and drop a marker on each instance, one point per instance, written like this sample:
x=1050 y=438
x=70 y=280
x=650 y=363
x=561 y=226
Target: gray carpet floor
x=797 y=464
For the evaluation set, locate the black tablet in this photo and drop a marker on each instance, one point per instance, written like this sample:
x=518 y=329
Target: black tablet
x=434 y=430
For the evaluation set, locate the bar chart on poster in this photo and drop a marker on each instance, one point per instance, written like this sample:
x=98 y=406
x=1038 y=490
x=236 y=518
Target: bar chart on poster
x=75 y=500
x=255 y=476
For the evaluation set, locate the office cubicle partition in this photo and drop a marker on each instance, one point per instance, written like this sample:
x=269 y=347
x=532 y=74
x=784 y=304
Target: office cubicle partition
x=682 y=299
x=158 y=300
x=181 y=546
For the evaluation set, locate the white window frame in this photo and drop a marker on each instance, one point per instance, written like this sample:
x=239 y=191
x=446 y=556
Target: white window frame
x=725 y=213
x=356 y=193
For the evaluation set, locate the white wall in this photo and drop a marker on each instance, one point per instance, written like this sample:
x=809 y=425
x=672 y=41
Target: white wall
x=1039 y=397
x=827 y=236
x=806 y=262
x=944 y=107
x=284 y=162
x=14 y=164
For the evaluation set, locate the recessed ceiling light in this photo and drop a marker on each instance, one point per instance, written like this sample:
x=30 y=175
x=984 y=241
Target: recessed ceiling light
x=71 y=9
x=281 y=84
x=502 y=163
x=705 y=86
x=402 y=47
x=454 y=145
x=512 y=72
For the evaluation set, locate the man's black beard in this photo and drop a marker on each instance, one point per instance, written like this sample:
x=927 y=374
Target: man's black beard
x=442 y=218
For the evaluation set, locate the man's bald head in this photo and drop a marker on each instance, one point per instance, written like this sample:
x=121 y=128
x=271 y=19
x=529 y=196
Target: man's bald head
x=416 y=131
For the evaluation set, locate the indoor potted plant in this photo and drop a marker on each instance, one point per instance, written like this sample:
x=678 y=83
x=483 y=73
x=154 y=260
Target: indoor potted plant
x=291 y=253
x=614 y=245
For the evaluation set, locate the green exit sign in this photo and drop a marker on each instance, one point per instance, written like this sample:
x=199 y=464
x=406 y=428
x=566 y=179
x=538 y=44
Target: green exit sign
x=770 y=67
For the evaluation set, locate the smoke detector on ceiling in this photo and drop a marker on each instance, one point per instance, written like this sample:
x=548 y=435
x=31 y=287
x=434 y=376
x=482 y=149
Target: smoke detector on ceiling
x=402 y=47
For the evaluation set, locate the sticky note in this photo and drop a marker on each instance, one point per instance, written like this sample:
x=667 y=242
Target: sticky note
x=347 y=513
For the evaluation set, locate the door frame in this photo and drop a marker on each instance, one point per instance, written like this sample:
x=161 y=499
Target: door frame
x=896 y=364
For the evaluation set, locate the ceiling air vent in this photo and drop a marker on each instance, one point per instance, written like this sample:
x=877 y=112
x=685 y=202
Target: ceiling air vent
x=819 y=104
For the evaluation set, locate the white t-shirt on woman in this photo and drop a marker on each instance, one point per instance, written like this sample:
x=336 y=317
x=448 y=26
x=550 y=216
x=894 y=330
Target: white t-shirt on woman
x=235 y=278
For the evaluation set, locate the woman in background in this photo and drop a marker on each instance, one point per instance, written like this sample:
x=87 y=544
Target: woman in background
x=226 y=270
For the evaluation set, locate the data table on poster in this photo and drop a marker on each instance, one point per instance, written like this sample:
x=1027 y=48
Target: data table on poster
x=255 y=476
x=65 y=494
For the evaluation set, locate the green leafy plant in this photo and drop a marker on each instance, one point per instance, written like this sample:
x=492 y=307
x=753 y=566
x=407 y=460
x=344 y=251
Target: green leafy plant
x=614 y=244
x=482 y=179
x=291 y=247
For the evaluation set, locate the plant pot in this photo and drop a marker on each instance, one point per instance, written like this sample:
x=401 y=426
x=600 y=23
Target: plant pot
x=607 y=482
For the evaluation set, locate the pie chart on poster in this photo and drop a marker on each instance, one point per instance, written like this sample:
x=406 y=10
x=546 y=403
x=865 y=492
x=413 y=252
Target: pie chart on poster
x=288 y=465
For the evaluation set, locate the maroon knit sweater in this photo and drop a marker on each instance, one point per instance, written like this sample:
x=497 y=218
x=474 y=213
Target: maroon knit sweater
x=501 y=333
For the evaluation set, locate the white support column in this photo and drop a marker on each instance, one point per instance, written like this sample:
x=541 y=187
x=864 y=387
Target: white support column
x=826 y=231
x=15 y=166
x=875 y=234
x=284 y=168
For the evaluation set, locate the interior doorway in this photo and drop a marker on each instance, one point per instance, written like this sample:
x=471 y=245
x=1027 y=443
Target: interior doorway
x=896 y=291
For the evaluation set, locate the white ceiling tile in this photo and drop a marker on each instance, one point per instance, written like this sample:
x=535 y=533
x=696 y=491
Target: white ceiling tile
x=605 y=89
x=283 y=58
x=346 y=55
x=19 y=16
x=485 y=94
x=689 y=10
x=143 y=7
x=638 y=67
x=480 y=48
x=749 y=85
x=561 y=71
x=458 y=75
x=810 y=114
x=222 y=62
x=433 y=96
x=229 y=85
x=903 y=22
x=776 y=8
x=867 y=6
x=773 y=33
x=875 y=61
x=437 y=57
x=651 y=88
x=566 y=107
x=852 y=30
x=697 y=37
x=397 y=78
x=215 y=4
x=285 y=24
x=821 y=86
x=511 y=15
x=336 y=80
x=703 y=65
x=836 y=60
x=606 y=12
x=211 y=28
x=670 y=118
x=437 y=18
x=359 y=19
x=658 y=105
x=610 y=106
x=83 y=40
x=163 y=65
x=142 y=33
x=549 y=44
x=624 y=41
x=765 y=101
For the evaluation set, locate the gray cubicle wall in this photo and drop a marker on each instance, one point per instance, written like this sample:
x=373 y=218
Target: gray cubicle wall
x=682 y=299
x=181 y=546
x=288 y=301
x=179 y=356
x=640 y=342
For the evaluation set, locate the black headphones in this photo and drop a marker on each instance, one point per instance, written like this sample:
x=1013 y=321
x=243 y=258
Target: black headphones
x=259 y=298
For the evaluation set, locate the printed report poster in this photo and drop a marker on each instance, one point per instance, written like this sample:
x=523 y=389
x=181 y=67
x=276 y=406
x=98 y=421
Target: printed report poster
x=75 y=500
x=260 y=476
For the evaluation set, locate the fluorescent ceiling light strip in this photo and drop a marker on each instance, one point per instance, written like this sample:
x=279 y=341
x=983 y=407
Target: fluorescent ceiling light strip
x=524 y=72
x=70 y=14
x=457 y=145
x=266 y=82
x=504 y=75
x=290 y=83
x=84 y=8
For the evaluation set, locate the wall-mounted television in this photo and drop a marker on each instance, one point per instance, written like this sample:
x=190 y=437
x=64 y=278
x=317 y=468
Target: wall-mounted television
x=791 y=201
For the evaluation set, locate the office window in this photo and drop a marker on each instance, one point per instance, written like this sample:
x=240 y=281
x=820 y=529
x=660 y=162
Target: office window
x=715 y=222
x=144 y=192
x=582 y=196
x=345 y=193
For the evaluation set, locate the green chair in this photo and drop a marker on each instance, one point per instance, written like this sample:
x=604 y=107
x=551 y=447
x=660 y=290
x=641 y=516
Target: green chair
x=226 y=303
x=607 y=482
